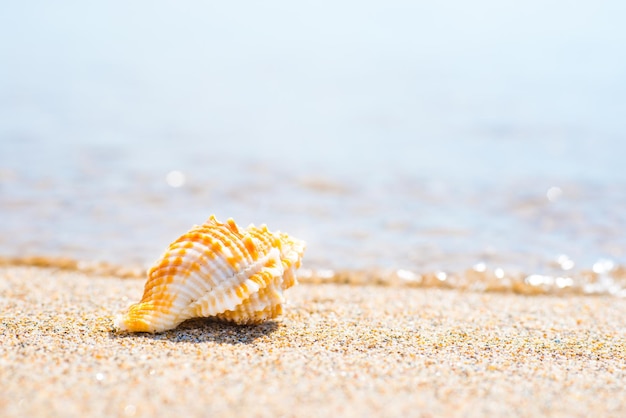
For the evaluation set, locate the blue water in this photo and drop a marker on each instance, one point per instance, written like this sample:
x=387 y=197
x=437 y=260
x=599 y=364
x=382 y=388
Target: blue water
x=415 y=135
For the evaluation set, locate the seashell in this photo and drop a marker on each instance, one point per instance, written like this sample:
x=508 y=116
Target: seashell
x=217 y=270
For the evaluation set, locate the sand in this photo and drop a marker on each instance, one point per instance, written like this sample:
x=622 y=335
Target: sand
x=338 y=351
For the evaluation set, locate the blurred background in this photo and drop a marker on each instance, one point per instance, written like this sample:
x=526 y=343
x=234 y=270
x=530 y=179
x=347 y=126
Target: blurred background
x=399 y=134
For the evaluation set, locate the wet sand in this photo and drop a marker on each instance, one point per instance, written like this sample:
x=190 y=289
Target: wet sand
x=339 y=350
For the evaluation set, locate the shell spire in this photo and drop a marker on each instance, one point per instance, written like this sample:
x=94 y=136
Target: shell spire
x=217 y=270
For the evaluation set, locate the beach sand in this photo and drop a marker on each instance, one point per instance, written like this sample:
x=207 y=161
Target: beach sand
x=338 y=350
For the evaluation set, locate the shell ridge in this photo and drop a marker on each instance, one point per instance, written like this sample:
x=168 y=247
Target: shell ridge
x=144 y=318
x=243 y=279
x=233 y=237
x=252 y=268
x=211 y=261
x=255 y=305
x=290 y=257
x=193 y=254
x=263 y=305
x=262 y=237
x=208 y=269
x=189 y=301
x=225 y=242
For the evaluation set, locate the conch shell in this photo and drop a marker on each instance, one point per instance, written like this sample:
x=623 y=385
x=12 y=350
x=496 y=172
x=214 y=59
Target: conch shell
x=217 y=270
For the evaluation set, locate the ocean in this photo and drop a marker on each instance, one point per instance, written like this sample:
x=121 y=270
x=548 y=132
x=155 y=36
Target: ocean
x=468 y=145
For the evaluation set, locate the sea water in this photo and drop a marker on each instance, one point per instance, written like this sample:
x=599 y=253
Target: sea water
x=449 y=144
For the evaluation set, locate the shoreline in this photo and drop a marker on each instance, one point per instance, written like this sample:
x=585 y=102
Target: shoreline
x=605 y=279
x=337 y=350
